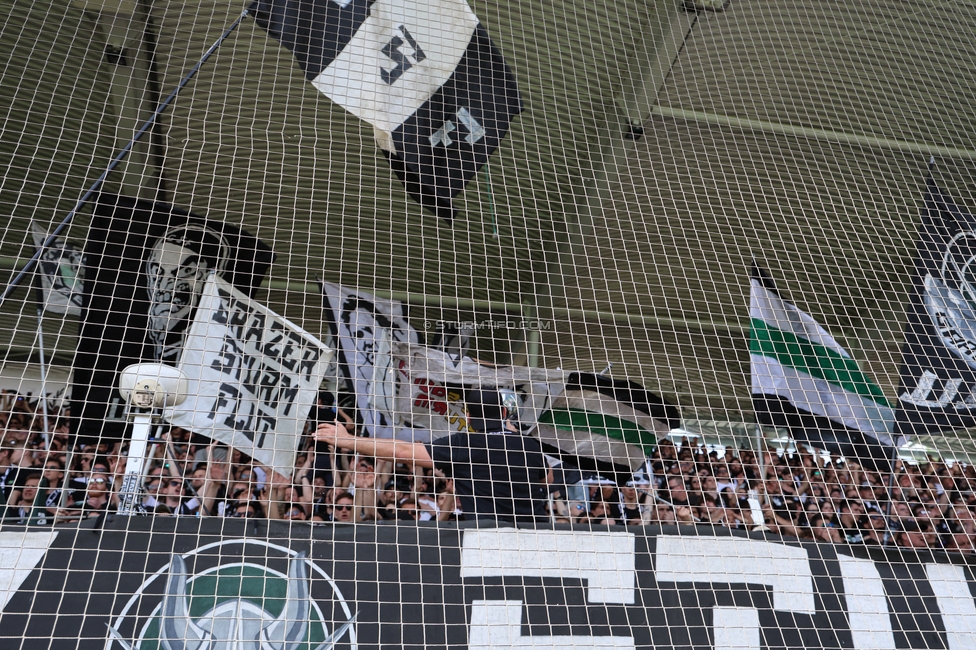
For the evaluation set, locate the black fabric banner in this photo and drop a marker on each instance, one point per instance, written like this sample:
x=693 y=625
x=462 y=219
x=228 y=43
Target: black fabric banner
x=193 y=584
x=937 y=388
x=447 y=140
x=145 y=267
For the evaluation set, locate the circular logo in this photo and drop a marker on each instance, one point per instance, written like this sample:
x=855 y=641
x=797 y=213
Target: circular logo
x=236 y=595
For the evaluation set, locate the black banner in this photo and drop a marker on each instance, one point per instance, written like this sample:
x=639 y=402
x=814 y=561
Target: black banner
x=145 y=266
x=937 y=389
x=193 y=584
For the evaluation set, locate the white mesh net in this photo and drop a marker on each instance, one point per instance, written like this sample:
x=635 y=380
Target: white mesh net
x=681 y=290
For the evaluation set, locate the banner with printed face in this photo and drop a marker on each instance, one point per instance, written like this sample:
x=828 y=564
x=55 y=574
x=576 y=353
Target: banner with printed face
x=253 y=376
x=145 y=267
x=363 y=328
x=62 y=274
x=182 y=583
x=411 y=391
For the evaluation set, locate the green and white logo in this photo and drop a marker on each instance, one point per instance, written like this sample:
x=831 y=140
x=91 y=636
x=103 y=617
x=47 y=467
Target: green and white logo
x=236 y=595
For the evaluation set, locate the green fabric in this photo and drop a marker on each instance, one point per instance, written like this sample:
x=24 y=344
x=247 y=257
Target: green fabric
x=568 y=419
x=813 y=359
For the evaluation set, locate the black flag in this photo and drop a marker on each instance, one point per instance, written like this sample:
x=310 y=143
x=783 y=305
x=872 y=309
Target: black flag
x=937 y=390
x=145 y=267
x=426 y=76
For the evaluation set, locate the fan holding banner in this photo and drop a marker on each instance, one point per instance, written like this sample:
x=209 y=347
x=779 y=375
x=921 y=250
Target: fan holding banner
x=253 y=377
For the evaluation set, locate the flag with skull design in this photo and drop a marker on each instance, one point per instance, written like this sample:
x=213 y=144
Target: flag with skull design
x=145 y=267
x=937 y=391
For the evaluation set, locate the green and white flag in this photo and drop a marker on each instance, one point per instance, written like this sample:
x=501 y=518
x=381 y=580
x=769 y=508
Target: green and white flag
x=803 y=380
x=609 y=425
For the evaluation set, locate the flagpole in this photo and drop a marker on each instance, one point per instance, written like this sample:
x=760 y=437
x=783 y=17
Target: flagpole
x=889 y=533
x=147 y=125
x=39 y=297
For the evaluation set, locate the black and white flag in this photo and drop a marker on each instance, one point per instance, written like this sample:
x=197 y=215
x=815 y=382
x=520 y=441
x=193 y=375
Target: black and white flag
x=432 y=384
x=937 y=388
x=412 y=391
x=425 y=74
x=62 y=275
x=362 y=329
x=145 y=267
x=253 y=376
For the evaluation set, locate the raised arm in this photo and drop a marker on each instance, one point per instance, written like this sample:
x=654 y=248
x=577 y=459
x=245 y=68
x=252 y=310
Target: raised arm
x=399 y=451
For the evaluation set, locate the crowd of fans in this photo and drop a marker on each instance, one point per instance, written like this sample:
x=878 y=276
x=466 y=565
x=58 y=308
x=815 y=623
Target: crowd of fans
x=44 y=480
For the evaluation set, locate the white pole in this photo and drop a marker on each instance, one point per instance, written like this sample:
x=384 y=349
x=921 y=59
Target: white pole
x=40 y=348
x=135 y=464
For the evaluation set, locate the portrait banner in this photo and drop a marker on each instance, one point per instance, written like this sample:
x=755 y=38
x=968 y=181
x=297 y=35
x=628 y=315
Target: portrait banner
x=145 y=267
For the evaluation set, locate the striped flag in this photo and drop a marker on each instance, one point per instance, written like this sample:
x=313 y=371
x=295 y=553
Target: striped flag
x=425 y=74
x=610 y=425
x=803 y=380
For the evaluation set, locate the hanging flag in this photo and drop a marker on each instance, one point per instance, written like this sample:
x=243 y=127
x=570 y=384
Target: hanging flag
x=362 y=329
x=937 y=389
x=411 y=391
x=430 y=396
x=803 y=380
x=62 y=275
x=426 y=75
x=608 y=425
x=145 y=267
x=253 y=377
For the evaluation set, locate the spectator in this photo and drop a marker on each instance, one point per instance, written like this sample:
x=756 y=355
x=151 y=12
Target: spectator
x=851 y=514
x=600 y=513
x=408 y=510
x=447 y=506
x=343 y=508
x=497 y=472
x=246 y=509
x=174 y=497
x=95 y=500
x=824 y=531
x=634 y=503
x=25 y=500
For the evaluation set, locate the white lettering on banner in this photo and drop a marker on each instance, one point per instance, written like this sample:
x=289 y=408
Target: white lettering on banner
x=951 y=395
x=867 y=605
x=736 y=628
x=955 y=603
x=733 y=560
x=441 y=136
x=475 y=130
x=19 y=554
x=497 y=624
x=605 y=560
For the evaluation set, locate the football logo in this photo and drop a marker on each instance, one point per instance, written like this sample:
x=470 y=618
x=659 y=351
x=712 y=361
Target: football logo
x=236 y=595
